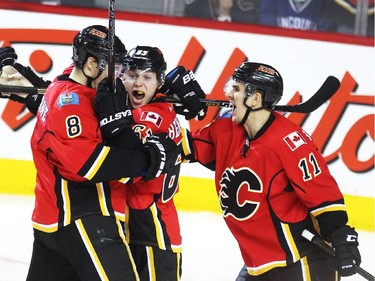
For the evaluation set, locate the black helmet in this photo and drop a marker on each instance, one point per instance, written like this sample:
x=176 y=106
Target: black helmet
x=93 y=41
x=146 y=57
x=263 y=77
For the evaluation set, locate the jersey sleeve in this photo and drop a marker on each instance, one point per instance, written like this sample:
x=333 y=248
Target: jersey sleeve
x=311 y=179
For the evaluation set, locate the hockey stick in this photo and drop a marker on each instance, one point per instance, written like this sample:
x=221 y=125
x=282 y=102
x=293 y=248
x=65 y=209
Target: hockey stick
x=21 y=90
x=325 y=92
x=320 y=243
x=111 y=44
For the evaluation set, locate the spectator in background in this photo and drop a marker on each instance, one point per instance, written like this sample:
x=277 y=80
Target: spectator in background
x=294 y=14
x=245 y=11
x=208 y=9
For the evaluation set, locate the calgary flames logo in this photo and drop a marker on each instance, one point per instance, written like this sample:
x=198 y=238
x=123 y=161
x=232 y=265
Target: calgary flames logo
x=240 y=193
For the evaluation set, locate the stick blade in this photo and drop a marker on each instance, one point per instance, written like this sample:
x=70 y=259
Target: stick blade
x=325 y=92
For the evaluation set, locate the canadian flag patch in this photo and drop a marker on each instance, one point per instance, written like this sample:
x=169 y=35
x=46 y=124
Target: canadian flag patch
x=294 y=140
x=152 y=117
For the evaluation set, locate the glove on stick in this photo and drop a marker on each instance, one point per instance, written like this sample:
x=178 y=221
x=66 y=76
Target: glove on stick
x=112 y=109
x=181 y=83
x=345 y=243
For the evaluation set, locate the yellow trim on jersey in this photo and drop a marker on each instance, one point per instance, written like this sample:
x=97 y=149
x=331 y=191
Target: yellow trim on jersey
x=44 y=227
x=158 y=228
x=91 y=250
x=123 y=238
x=306 y=276
x=178 y=266
x=98 y=162
x=290 y=241
x=126 y=225
x=151 y=263
x=101 y=197
x=66 y=202
x=120 y=216
x=176 y=248
x=265 y=267
x=185 y=143
x=330 y=208
x=124 y=180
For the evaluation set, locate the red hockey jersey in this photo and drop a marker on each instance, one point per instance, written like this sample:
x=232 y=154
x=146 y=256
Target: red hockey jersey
x=270 y=188
x=151 y=216
x=73 y=165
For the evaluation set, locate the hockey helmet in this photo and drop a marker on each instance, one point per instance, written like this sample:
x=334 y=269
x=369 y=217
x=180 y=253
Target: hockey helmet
x=93 y=41
x=146 y=58
x=263 y=77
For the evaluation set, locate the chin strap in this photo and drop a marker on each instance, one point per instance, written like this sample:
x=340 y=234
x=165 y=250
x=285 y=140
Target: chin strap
x=90 y=79
x=247 y=113
x=248 y=110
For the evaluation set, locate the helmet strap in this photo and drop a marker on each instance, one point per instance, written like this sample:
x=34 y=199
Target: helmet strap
x=248 y=110
x=89 y=78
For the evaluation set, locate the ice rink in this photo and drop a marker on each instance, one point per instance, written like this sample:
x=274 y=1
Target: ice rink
x=210 y=253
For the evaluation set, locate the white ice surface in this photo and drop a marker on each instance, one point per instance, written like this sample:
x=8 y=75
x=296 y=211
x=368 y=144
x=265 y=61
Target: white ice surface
x=210 y=253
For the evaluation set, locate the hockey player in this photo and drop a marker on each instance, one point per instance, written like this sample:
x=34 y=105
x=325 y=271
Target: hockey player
x=77 y=230
x=272 y=183
x=153 y=229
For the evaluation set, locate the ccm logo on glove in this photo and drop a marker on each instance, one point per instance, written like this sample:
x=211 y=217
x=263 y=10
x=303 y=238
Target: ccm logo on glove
x=351 y=238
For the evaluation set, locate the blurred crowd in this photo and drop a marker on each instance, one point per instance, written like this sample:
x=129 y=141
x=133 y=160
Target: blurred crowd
x=355 y=17
x=342 y=16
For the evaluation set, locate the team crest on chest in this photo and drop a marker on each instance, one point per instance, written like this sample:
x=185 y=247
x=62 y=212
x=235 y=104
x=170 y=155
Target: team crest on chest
x=240 y=193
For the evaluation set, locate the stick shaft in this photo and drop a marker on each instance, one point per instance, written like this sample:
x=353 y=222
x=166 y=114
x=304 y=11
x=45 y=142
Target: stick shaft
x=21 y=89
x=324 y=93
x=111 y=44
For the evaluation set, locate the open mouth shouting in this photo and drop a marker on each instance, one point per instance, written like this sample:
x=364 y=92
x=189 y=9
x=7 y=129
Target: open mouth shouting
x=137 y=98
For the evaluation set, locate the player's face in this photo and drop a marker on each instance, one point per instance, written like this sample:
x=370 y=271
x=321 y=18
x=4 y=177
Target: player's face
x=236 y=91
x=141 y=86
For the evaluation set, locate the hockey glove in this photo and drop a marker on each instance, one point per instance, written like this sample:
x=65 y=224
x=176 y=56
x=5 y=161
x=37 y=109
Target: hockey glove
x=30 y=75
x=181 y=84
x=7 y=56
x=32 y=101
x=345 y=243
x=165 y=154
x=112 y=109
x=27 y=77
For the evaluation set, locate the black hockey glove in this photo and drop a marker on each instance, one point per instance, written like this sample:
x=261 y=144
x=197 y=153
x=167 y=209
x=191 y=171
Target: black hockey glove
x=165 y=154
x=30 y=75
x=112 y=109
x=345 y=244
x=181 y=84
x=31 y=101
x=7 y=56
